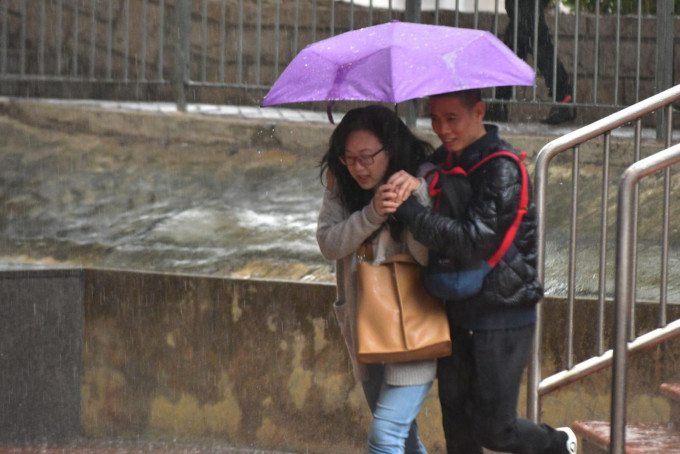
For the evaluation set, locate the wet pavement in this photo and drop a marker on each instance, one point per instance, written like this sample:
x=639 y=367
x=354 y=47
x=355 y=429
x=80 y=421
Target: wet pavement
x=277 y=113
x=287 y=114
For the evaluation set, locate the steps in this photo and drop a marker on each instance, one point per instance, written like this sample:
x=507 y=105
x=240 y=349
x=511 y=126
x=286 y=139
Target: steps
x=641 y=438
x=672 y=392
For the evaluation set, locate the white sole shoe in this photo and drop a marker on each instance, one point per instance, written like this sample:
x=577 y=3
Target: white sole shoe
x=572 y=443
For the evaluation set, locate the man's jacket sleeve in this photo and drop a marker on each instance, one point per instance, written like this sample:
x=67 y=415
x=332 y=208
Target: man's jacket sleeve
x=496 y=190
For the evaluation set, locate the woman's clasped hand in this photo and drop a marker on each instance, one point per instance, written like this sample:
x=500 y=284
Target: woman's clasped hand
x=389 y=196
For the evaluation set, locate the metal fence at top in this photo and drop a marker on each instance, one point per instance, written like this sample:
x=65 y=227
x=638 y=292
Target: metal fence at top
x=231 y=51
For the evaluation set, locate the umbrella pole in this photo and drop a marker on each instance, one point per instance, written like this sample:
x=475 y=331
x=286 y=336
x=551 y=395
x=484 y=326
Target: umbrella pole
x=329 y=111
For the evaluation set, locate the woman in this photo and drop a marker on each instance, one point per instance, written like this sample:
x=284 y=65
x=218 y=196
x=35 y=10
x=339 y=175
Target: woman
x=370 y=146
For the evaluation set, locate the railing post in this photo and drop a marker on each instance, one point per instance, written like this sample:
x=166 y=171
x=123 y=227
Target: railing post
x=534 y=366
x=412 y=12
x=182 y=51
x=623 y=296
x=665 y=10
x=623 y=301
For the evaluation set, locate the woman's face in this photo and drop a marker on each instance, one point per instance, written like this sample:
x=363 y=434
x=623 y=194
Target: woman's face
x=359 y=148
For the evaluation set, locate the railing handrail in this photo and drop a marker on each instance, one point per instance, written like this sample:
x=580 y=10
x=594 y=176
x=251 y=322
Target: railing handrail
x=624 y=273
x=597 y=363
x=606 y=124
x=545 y=155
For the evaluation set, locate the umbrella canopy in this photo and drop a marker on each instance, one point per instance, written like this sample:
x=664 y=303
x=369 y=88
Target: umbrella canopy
x=397 y=61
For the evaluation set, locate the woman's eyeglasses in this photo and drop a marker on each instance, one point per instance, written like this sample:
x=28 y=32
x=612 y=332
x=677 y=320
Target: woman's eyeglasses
x=365 y=161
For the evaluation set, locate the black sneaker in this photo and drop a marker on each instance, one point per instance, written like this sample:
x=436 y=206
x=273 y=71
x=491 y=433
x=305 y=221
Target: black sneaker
x=560 y=114
x=571 y=444
x=496 y=113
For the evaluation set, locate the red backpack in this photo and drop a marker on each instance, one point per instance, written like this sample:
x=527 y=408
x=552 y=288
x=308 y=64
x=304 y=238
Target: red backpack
x=458 y=281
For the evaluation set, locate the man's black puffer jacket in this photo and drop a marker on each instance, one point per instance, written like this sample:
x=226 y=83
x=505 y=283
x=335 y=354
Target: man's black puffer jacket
x=496 y=187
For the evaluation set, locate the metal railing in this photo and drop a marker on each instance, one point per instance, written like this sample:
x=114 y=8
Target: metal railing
x=627 y=204
x=83 y=41
x=626 y=254
x=233 y=50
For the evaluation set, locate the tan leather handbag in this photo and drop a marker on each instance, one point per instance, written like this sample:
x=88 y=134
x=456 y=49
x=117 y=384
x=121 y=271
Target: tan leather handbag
x=397 y=319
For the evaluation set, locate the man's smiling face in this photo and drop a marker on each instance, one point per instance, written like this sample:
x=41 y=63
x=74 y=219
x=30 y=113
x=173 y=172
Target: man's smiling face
x=456 y=125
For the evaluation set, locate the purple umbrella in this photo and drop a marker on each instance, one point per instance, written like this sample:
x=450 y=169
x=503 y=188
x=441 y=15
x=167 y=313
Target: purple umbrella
x=397 y=61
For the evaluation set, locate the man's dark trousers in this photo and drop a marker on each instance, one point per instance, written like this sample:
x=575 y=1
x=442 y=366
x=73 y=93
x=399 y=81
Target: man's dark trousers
x=479 y=388
x=525 y=43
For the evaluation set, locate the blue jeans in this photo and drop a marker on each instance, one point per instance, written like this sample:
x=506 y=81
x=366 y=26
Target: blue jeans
x=394 y=429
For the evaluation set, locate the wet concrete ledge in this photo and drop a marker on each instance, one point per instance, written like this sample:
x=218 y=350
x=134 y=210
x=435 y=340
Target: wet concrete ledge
x=100 y=355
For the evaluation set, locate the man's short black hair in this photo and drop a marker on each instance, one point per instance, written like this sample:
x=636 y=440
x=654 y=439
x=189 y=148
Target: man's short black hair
x=467 y=97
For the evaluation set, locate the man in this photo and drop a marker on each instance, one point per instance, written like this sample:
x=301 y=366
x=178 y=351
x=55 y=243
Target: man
x=544 y=56
x=492 y=331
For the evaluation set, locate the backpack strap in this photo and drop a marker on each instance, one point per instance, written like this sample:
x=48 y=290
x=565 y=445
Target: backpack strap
x=433 y=187
x=435 y=192
x=521 y=209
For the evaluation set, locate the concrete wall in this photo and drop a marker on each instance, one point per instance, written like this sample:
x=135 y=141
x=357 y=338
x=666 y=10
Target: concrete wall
x=245 y=363
x=40 y=355
x=261 y=364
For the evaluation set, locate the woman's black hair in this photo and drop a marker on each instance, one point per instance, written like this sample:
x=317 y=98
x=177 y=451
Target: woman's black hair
x=404 y=149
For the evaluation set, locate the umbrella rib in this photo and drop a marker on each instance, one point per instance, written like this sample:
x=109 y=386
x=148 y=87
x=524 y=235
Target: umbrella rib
x=339 y=75
x=358 y=60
